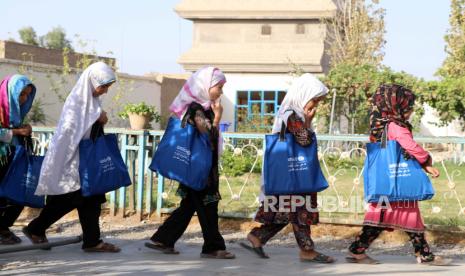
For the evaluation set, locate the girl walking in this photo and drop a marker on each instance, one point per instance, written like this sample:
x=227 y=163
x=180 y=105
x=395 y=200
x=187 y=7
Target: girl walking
x=16 y=96
x=392 y=106
x=297 y=112
x=59 y=177
x=198 y=104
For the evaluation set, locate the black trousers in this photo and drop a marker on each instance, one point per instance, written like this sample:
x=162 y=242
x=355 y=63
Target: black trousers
x=9 y=212
x=59 y=205
x=173 y=228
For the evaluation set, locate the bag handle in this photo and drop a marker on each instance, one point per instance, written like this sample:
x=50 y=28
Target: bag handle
x=384 y=136
x=282 y=132
x=96 y=131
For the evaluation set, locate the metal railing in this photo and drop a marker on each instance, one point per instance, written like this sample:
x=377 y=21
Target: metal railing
x=341 y=158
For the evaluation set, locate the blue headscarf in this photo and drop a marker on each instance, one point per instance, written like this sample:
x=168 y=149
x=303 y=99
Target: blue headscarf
x=18 y=111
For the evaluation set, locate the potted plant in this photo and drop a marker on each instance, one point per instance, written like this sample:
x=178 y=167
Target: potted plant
x=140 y=115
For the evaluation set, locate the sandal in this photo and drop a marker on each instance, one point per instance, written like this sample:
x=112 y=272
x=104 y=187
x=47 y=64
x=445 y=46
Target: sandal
x=437 y=261
x=320 y=258
x=219 y=254
x=161 y=247
x=7 y=238
x=257 y=250
x=36 y=239
x=103 y=247
x=366 y=260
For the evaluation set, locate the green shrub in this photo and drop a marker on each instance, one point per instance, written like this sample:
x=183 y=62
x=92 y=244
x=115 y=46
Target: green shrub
x=236 y=165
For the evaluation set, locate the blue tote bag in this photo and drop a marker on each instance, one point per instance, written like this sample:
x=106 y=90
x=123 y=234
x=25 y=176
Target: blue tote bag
x=184 y=154
x=21 y=180
x=389 y=175
x=291 y=169
x=101 y=167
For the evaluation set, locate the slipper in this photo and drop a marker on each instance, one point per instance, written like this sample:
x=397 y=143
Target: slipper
x=162 y=248
x=103 y=247
x=7 y=238
x=437 y=261
x=36 y=239
x=257 y=250
x=320 y=258
x=366 y=260
x=219 y=254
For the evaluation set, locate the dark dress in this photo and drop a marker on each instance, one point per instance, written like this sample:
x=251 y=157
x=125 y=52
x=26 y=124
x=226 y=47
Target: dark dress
x=204 y=203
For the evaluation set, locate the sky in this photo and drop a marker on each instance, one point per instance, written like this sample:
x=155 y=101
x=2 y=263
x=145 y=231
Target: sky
x=148 y=36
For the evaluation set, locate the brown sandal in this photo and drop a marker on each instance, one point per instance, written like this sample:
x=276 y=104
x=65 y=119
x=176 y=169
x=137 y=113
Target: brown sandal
x=366 y=260
x=437 y=261
x=319 y=258
x=7 y=238
x=219 y=254
x=103 y=247
x=36 y=239
x=161 y=247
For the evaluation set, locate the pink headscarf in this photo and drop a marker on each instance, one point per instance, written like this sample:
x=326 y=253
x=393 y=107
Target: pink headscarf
x=196 y=90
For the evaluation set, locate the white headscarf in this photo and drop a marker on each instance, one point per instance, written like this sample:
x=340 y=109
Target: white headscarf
x=196 y=90
x=303 y=89
x=60 y=169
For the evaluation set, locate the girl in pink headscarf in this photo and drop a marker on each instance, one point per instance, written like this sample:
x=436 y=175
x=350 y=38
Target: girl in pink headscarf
x=198 y=104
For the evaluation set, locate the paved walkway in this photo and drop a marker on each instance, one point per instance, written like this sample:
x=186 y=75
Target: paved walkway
x=135 y=259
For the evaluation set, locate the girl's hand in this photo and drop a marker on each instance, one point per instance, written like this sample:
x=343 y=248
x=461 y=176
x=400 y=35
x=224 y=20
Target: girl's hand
x=217 y=109
x=103 y=119
x=433 y=171
x=309 y=115
x=25 y=130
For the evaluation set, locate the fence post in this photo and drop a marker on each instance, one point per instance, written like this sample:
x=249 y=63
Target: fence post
x=122 y=190
x=160 y=189
x=140 y=173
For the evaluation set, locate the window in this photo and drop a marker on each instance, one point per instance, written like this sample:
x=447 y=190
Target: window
x=255 y=110
x=300 y=29
x=266 y=30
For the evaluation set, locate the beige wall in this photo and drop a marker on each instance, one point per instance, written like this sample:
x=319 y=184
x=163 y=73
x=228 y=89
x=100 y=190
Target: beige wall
x=132 y=89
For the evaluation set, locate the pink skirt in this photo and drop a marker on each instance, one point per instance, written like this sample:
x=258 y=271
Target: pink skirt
x=401 y=215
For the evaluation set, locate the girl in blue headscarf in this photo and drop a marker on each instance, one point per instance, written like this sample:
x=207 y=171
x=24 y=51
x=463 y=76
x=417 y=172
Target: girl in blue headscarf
x=16 y=96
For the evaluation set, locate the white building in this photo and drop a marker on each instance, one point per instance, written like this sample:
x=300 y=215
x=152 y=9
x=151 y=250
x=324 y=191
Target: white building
x=254 y=42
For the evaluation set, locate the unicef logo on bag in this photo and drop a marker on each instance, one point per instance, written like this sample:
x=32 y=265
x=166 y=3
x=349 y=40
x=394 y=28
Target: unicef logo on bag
x=297 y=163
x=107 y=164
x=399 y=170
x=182 y=154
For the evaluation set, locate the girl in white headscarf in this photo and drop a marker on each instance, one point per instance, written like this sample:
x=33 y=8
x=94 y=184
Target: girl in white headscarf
x=296 y=114
x=198 y=104
x=59 y=176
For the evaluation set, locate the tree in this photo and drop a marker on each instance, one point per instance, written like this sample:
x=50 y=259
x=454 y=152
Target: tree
x=449 y=92
x=356 y=39
x=28 y=36
x=356 y=85
x=454 y=64
x=56 y=39
x=356 y=33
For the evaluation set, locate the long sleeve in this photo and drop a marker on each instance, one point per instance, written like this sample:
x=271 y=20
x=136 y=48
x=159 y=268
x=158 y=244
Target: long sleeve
x=405 y=138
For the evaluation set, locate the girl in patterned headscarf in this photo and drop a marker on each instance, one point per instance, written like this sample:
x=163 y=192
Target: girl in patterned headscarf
x=392 y=106
x=16 y=96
